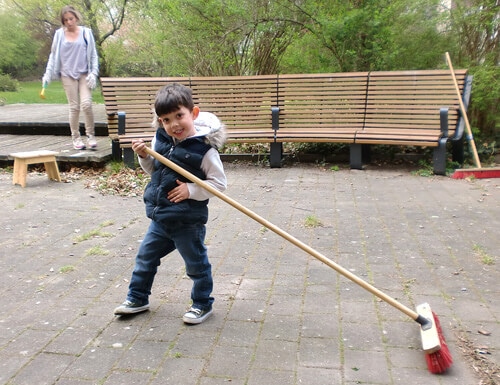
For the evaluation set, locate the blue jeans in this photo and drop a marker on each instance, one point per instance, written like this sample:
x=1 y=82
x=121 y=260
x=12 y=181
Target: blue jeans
x=160 y=240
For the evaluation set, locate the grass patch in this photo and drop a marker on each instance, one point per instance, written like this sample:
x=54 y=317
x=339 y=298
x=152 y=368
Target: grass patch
x=97 y=250
x=95 y=233
x=29 y=93
x=427 y=170
x=407 y=285
x=66 y=269
x=483 y=256
x=312 y=221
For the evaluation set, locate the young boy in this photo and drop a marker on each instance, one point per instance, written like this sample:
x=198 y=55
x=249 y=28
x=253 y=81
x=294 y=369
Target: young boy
x=177 y=208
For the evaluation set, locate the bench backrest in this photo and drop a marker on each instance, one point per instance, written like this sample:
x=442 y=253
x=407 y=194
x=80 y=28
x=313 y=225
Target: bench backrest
x=410 y=100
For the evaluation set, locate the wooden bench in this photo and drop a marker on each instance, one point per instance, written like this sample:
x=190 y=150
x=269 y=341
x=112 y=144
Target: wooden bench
x=413 y=108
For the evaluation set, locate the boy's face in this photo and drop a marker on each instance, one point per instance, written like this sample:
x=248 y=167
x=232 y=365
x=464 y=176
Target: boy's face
x=180 y=124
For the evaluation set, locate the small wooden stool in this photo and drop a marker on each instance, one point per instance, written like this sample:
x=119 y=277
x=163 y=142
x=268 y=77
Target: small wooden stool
x=23 y=159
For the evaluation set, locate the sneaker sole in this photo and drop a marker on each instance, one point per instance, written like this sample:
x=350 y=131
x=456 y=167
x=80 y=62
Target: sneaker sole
x=196 y=321
x=132 y=310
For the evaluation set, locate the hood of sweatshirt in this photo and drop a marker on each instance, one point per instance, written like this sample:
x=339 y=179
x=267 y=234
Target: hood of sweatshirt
x=209 y=125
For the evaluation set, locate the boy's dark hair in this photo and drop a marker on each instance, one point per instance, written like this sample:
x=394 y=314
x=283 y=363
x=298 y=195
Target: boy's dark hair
x=172 y=97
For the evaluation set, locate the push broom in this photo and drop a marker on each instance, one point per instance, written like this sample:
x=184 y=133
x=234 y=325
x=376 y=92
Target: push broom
x=438 y=356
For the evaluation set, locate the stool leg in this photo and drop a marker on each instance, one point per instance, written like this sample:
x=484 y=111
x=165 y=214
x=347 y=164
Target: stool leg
x=20 y=172
x=52 y=170
x=15 y=175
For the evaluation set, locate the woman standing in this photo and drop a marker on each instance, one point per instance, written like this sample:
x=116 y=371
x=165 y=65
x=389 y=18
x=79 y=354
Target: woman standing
x=73 y=58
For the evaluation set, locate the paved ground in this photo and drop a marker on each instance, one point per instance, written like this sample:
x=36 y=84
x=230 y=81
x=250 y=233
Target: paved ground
x=281 y=316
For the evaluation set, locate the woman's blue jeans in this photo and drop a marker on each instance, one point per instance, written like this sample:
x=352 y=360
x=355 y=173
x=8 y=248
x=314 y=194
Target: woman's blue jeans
x=160 y=240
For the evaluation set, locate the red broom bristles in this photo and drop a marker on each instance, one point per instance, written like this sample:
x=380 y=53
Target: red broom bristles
x=441 y=360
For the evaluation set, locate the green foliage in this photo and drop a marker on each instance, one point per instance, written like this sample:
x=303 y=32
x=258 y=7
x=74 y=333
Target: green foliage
x=17 y=46
x=8 y=84
x=475 y=26
x=485 y=98
x=305 y=55
x=368 y=36
x=418 y=40
x=208 y=38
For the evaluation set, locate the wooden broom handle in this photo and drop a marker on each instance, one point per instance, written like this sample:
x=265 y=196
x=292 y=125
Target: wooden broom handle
x=464 y=113
x=346 y=273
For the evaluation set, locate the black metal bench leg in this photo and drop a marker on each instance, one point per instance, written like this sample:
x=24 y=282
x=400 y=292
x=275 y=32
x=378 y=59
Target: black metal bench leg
x=129 y=157
x=356 y=156
x=439 y=158
x=276 y=155
x=116 y=151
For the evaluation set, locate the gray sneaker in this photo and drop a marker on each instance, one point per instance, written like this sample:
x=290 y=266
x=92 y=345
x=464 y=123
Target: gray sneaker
x=129 y=307
x=196 y=316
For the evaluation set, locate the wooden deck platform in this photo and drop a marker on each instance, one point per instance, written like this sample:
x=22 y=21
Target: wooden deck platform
x=30 y=127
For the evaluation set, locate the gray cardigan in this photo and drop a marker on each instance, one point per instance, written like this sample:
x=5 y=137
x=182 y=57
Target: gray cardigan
x=53 y=70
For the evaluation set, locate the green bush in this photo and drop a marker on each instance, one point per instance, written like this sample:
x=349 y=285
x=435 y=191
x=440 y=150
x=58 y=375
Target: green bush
x=8 y=84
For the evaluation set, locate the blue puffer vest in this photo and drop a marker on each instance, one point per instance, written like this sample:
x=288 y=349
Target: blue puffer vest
x=188 y=154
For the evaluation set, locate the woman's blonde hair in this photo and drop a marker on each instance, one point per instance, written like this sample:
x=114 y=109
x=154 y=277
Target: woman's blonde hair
x=70 y=9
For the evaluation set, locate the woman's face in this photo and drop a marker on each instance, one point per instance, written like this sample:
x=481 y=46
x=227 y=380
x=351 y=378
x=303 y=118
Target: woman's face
x=70 y=21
